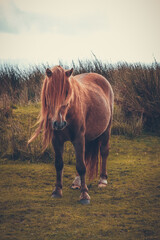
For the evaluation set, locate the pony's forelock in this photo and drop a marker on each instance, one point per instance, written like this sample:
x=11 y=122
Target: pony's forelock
x=56 y=91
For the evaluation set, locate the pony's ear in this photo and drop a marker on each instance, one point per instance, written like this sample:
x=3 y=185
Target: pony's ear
x=69 y=72
x=48 y=72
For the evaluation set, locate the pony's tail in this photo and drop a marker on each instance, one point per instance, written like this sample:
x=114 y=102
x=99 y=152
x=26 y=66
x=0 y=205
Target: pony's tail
x=92 y=157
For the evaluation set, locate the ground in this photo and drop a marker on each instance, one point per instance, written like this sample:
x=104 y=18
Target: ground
x=128 y=208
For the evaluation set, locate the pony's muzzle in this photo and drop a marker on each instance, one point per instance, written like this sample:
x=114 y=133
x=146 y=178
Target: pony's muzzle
x=59 y=125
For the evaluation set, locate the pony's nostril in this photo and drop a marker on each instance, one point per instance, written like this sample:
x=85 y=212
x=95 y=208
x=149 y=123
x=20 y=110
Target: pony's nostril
x=59 y=125
x=64 y=123
x=55 y=124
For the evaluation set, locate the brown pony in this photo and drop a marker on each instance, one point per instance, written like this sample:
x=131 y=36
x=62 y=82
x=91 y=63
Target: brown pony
x=77 y=109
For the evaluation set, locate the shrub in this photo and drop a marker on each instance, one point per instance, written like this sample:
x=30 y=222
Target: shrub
x=136 y=88
x=140 y=88
x=128 y=126
x=18 y=86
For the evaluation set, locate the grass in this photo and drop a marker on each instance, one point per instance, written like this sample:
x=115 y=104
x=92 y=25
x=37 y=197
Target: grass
x=16 y=127
x=127 y=209
x=136 y=88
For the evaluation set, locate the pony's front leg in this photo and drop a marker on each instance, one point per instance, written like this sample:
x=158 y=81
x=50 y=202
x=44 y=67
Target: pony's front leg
x=79 y=145
x=58 y=148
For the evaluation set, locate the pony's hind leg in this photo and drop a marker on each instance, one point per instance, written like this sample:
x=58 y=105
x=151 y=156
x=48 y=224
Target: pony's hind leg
x=104 y=151
x=58 y=147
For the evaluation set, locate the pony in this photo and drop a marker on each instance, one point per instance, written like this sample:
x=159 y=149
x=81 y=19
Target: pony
x=78 y=109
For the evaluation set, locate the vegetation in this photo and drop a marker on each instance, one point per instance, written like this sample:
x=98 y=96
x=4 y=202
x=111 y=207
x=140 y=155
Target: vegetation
x=136 y=87
x=137 y=101
x=127 y=209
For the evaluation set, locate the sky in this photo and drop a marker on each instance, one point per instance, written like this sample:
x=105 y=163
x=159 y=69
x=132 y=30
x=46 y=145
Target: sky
x=40 y=31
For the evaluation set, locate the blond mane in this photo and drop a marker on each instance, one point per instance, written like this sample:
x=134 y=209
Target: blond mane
x=56 y=91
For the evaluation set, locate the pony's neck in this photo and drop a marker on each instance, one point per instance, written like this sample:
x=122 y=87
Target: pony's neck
x=78 y=95
x=76 y=90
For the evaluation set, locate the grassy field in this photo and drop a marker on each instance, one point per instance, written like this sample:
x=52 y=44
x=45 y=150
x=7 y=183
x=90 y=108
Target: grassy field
x=127 y=209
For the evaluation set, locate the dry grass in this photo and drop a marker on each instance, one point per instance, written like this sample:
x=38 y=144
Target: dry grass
x=137 y=100
x=127 y=209
x=136 y=87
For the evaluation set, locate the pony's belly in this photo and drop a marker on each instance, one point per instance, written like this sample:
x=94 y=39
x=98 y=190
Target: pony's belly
x=98 y=113
x=90 y=137
x=96 y=126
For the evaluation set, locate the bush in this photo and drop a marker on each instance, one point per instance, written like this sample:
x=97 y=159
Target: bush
x=128 y=126
x=136 y=88
x=18 y=86
x=16 y=126
x=140 y=88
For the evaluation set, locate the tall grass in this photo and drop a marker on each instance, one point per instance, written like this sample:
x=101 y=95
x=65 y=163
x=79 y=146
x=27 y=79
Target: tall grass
x=136 y=88
x=20 y=86
x=140 y=87
x=137 y=103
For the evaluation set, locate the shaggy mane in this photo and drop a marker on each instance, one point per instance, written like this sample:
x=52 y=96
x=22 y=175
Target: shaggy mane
x=55 y=91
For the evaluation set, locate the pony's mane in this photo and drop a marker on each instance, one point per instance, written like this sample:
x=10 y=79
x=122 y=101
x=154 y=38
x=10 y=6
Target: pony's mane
x=56 y=90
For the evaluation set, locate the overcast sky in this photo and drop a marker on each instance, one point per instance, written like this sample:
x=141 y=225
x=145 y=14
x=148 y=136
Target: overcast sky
x=40 y=31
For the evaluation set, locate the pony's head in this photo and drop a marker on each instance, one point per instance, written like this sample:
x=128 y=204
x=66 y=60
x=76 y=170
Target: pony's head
x=57 y=95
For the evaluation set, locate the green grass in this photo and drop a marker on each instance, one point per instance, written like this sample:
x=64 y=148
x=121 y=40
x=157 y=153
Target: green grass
x=17 y=124
x=127 y=209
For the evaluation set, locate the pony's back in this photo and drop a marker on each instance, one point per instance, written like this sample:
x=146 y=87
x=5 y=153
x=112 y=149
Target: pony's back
x=93 y=81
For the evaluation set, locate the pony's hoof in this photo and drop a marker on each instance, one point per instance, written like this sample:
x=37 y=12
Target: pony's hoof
x=76 y=183
x=84 y=201
x=84 y=198
x=57 y=193
x=74 y=187
x=102 y=183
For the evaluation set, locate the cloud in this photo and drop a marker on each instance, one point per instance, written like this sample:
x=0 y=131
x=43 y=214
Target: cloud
x=16 y=20
x=12 y=19
x=49 y=30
